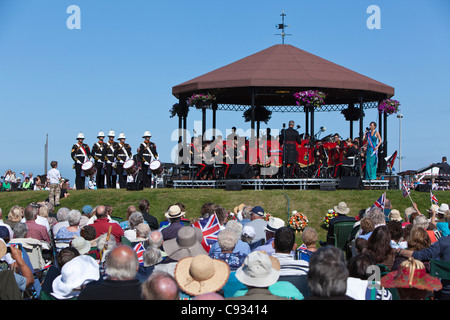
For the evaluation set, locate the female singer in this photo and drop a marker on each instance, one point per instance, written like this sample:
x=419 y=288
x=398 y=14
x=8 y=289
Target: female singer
x=373 y=143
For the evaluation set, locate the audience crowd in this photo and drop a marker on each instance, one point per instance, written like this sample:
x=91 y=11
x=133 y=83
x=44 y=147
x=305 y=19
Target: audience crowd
x=65 y=253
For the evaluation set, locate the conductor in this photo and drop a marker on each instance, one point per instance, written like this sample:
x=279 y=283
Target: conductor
x=288 y=141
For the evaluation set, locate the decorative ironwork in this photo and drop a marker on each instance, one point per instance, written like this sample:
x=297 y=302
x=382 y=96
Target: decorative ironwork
x=295 y=108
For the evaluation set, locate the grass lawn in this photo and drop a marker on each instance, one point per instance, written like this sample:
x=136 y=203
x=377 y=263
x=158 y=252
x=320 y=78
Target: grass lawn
x=279 y=203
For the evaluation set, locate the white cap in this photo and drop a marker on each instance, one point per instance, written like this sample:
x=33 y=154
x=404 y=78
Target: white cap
x=111 y=133
x=80 y=136
x=147 y=134
x=100 y=134
x=121 y=136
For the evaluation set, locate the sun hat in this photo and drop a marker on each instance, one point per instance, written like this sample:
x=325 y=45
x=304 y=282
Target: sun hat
x=443 y=208
x=174 y=212
x=342 y=208
x=274 y=224
x=248 y=231
x=433 y=207
x=411 y=274
x=186 y=244
x=394 y=215
x=3 y=248
x=201 y=274
x=81 y=244
x=238 y=208
x=75 y=273
x=259 y=211
x=257 y=270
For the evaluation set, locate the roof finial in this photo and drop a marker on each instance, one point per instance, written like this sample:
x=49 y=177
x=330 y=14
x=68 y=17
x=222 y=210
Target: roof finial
x=281 y=26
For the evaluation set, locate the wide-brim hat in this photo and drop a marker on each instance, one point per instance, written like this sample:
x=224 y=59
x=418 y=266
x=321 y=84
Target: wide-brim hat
x=3 y=248
x=201 y=274
x=75 y=273
x=257 y=271
x=174 y=212
x=186 y=244
x=443 y=208
x=238 y=208
x=394 y=215
x=81 y=244
x=274 y=224
x=342 y=208
x=406 y=277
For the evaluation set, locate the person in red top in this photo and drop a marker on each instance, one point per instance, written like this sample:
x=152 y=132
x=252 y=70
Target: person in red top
x=35 y=230
x=102 y=224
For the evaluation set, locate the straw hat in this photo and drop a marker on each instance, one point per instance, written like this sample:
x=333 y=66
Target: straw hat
x=342 y=208
x=186 y=244
x=394 y=215
x=2 y=248
x=238 y=208
x=433 y=207
x=174 y=212
x=81 y=244
x=75 y=273
x=257 y=271
x=201 y=274
x=411 y=274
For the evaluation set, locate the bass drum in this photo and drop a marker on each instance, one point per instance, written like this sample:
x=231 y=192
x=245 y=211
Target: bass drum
x=130 y=166
x=155 y=167
x=88 y=168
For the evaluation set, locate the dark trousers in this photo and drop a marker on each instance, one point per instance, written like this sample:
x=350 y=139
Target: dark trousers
x=79 y=180
x=145 y=178
x=110 y=177
x=100 y=177
x=121 y=175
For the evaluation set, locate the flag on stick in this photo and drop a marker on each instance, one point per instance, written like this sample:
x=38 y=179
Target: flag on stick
x=433 y=198
x=380 y=203
x=405 y=190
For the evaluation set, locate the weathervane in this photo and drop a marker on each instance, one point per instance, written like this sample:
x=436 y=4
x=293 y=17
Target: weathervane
x=281 y=26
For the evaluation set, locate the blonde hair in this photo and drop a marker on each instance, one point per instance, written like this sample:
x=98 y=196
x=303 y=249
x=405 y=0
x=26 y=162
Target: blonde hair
x=15 y=213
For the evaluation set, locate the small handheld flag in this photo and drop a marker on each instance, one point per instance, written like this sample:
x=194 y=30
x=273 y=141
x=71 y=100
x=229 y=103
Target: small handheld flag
x=433 y=198
x=380 y=203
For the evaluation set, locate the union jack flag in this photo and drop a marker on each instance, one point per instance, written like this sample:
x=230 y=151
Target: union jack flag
x=210 y=228
x=433 y=198
x=139 y=249
x=405 y=190
x=380 y=202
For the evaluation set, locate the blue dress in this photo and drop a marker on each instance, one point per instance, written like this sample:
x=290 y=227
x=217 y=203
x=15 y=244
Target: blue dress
x=371 y=157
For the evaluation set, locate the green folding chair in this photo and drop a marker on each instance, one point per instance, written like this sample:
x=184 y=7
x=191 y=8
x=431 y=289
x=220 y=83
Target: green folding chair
x=440 y=269
x=342 y=231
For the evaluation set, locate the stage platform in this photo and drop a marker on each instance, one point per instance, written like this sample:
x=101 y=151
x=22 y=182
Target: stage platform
x=262 y=184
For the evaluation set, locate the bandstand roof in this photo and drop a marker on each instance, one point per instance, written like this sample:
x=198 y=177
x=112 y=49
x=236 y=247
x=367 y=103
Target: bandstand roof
x=276 y=73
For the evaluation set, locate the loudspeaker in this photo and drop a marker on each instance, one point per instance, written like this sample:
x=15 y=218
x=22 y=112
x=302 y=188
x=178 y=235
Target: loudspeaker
x=423 y=187
x=240 y=171
x=350 y=183
x=328 y=186
x=231 y=185
x=134 y=186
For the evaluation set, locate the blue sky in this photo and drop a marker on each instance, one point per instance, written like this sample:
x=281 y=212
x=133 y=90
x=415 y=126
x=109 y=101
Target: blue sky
x=118 y=70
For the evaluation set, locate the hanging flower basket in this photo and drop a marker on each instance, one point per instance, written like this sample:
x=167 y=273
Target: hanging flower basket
x=177 y=110
x=310 y=98
x=298 y=221
x=389 y=106
x=261 y=114
x=351 y=114
x=200 y=100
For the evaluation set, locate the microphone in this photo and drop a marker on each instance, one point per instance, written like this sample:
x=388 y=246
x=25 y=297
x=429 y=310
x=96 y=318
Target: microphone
x=323 y=129
x=299 y=126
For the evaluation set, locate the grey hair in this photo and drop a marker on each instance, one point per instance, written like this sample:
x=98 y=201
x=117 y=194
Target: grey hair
x=155 y=243
x=152 y=256
x=328 y=273
x=63 y=214
x=421 y=221
x=74 y=217
x=135 y=219
x=235 y=225
x=20 y=230
x=227 y=239
x=247 y=212
x=377 y=216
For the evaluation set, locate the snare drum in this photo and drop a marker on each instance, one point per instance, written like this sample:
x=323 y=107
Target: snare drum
x=155 y=167
x=88 y=168
x=130 y=166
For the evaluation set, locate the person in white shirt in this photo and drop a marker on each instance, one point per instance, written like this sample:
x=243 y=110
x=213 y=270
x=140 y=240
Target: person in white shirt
x=54 y=178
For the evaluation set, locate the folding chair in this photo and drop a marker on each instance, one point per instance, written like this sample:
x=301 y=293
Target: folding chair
x=342 y=231
x=440 y=269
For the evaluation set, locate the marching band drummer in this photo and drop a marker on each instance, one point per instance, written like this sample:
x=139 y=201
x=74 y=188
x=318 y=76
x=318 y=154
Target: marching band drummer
x=122 y=154
x=147 y=153
x=80 y=154
x=110 y=149
x=97 y=154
